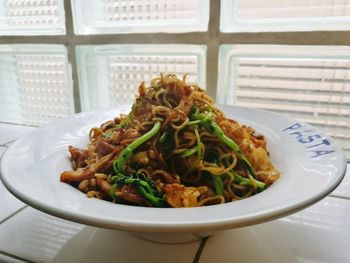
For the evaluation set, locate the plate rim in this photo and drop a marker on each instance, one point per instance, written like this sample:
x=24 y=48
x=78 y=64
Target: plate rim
x=181 y=227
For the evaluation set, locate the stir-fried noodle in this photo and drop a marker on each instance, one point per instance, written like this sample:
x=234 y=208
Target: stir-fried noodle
x=174 y=148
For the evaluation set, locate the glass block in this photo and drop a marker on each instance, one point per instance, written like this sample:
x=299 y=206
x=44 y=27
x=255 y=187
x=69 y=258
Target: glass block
x=32 y=17
x=139 y=16
x=309 y=83
x=287 y=15
x=35 y=84
x=109 y=75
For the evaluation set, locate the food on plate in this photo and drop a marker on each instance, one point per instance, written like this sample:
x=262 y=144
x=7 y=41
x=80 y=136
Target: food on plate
x=174 y=149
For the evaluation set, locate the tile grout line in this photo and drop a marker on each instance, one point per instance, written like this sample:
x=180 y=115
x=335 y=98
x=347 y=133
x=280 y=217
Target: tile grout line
x=5 y=145
x=200 y=250
x=18 y=124
x=339 y=196
x=8 y=143
x=203 y=241
x=13 y=214
x=15 y=257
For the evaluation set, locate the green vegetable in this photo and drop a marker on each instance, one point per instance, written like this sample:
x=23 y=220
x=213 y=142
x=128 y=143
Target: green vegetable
x=206 y=120
x=163 y=137
x=107 y=134
x=199 y=147
x=238 y=179
x=156 y=201
x=167 y=143
x=208 y=123
x=124 y=156
x=218 y=185
x=194 y=122
x=144 y=186
x=112 y=193
x=211 y=157
x=188 y=152
x=125 y=121
x=217 y=180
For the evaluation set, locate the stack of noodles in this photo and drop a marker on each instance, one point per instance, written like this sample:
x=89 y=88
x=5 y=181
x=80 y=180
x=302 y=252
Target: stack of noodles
x=174 y=149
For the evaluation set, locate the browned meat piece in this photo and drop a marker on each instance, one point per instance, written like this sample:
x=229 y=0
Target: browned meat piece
x=95 y=133
x=79 y=157
x=89 y=171
x=165 y=177
x=103 y=148
x=114 y=138
x=130 y=194
x=107 y=124
x=127 y=192
x=185 y=105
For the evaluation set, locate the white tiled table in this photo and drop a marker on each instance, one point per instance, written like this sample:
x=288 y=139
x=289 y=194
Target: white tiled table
x=320 y=233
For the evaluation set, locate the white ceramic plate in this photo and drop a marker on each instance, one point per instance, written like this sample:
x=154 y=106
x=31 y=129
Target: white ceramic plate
x=311 y=166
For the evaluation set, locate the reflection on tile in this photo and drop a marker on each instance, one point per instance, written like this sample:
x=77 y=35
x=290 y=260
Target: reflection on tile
x=2 y=150
x=10 y=132
x=35 y=236
x=38 y=237
x=343 y=190
x=8 y=204
x=320 y=233
x=103 y=245
x=7 y=259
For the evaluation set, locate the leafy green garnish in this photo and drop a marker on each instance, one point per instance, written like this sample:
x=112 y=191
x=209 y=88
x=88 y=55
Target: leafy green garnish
x=167 y=143
x=145 y=187
x=124 y=156
x=207 y=121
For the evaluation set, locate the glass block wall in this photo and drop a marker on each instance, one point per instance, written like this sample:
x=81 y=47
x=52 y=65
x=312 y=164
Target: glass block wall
x=307 y=83
x=35 y=84
x=120 y=16
x=110 y=74
x=91 y=55
x=32 y=17
x=282 y=16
